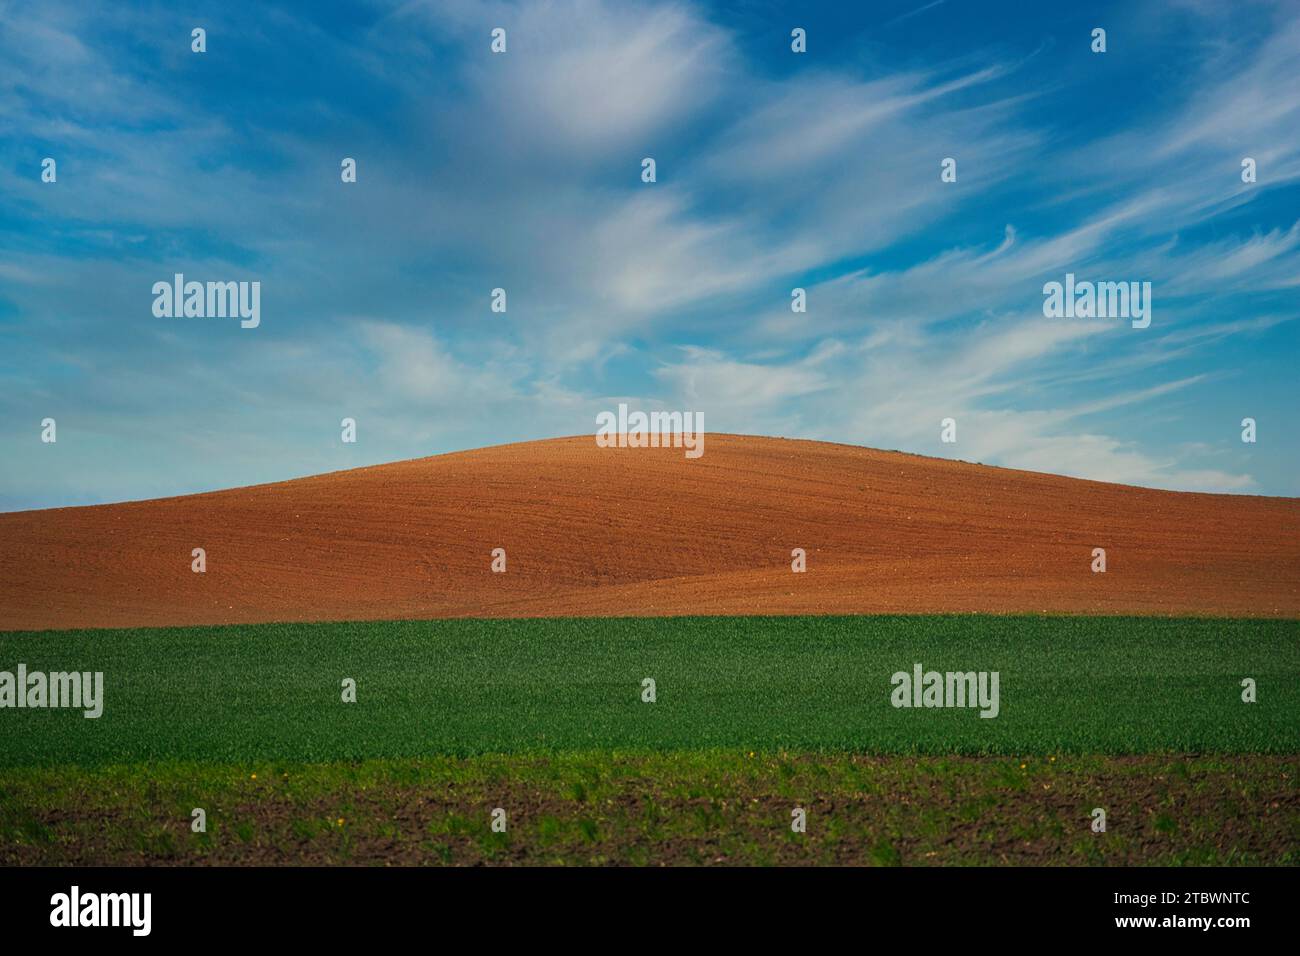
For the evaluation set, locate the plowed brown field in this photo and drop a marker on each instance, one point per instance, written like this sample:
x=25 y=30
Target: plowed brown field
x=592 y=531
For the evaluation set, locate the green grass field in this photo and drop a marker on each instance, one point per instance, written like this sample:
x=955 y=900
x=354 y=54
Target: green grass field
x=1068 y=685
x=753 y=716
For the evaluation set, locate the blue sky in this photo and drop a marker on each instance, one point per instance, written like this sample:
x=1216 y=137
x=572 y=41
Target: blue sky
x=522 y=171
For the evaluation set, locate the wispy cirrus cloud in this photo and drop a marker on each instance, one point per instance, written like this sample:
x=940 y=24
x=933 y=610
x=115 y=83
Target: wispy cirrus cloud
x=522 y=171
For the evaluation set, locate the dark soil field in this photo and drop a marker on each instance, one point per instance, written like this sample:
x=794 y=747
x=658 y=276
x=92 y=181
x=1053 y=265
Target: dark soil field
x=684 y=808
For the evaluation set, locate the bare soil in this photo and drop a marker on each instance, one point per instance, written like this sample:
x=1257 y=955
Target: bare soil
x=601 y=532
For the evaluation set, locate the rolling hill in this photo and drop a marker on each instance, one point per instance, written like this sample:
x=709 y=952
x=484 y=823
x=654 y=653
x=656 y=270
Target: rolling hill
x=618 y=532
